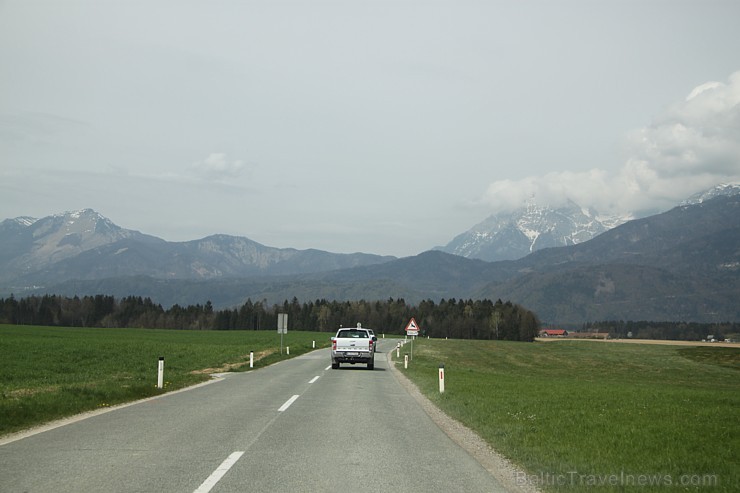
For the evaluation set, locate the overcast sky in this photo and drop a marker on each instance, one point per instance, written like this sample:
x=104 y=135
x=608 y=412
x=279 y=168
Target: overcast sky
x=385 y=127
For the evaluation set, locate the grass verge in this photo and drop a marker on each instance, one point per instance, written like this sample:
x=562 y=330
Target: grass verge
x=589 y=416
x=48 y=373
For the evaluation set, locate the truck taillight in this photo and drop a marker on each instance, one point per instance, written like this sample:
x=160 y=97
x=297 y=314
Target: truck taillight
x=333 y=345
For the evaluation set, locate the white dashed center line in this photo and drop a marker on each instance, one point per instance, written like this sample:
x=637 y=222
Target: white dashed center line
x=288 y=403
x=216 y=475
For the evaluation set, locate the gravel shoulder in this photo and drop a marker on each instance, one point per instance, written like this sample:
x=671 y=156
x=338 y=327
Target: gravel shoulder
x=497 y=465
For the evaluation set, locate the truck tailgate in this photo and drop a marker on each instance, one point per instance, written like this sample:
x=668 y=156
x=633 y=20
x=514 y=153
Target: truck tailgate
x=355 y=345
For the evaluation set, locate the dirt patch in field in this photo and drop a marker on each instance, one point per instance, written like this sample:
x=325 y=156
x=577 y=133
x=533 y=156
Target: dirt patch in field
x=21 y=393
x=643 y=341
x=233 y=366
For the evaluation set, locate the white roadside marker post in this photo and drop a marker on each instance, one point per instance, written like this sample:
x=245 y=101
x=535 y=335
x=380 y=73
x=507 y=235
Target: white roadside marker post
x=441 y=378
x=406 y=361
x=287 y=348
x=313 y=345
x=160 y=373
x=398 y=350
x=251 y=359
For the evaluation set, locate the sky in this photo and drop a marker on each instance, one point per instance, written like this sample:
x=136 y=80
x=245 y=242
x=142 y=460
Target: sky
x=384 y=126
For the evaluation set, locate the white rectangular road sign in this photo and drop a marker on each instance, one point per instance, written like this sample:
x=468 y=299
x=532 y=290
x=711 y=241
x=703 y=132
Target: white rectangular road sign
x=282 y=323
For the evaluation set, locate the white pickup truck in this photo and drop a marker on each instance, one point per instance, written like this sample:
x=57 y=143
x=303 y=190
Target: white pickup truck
x=353 y=346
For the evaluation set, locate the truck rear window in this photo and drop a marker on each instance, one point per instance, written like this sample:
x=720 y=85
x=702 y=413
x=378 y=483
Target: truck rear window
x=354 y=334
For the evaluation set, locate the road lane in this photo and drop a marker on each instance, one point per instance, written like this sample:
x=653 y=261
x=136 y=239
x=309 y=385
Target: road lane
x=172 y=443
x=357 y=430
x=345 y=422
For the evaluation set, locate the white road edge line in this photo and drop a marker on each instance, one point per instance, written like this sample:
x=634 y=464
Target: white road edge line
x=313 y=379
x=288 y=403
x=216 y=475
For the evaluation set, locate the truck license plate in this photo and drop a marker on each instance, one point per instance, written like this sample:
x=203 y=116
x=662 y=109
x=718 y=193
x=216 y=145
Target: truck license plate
x=351 y=354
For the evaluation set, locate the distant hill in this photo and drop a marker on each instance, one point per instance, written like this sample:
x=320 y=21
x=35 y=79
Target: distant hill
x=680 y=265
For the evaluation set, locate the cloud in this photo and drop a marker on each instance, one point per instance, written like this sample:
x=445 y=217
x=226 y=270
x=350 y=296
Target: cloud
x=692 y=146
x=552 y=188
x=217 y=166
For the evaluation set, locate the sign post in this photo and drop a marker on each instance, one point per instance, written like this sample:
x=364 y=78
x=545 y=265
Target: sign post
x=412 y=329
x=282 y=328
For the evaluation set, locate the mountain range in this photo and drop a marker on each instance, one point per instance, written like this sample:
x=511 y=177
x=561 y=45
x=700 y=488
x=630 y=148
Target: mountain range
x=85 y=245
x=681 y=265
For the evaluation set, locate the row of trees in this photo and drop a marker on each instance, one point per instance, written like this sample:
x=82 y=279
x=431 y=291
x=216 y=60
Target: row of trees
x=460 y=319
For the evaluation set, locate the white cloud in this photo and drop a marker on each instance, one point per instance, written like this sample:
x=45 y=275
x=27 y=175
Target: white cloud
x=553 y=189
x=704 y=87
x=692 y=146
x=218 y=166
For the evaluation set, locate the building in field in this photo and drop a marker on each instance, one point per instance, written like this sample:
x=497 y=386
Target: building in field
x=553 y=333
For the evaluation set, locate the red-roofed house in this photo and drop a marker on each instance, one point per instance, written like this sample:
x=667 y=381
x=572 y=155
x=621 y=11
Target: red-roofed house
x=554 y=333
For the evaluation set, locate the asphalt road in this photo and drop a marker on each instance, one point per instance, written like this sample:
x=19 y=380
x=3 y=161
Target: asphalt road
x=294 y=426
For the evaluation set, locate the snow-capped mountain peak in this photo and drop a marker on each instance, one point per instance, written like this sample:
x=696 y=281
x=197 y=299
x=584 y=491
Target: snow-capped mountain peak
x=512 y=235
x=54 y=238
x=23 y=221
x=723 y=189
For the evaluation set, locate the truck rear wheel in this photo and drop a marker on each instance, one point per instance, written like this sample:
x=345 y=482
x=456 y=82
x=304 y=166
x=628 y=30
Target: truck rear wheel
x=335 y=366
x=371 y=365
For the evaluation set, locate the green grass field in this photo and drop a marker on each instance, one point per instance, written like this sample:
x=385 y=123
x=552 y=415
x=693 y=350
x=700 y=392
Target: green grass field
x=585 y=416
x=51 y=372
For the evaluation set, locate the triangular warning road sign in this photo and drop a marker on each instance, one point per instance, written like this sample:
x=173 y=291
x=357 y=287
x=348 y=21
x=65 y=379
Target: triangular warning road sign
x=412 y=326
